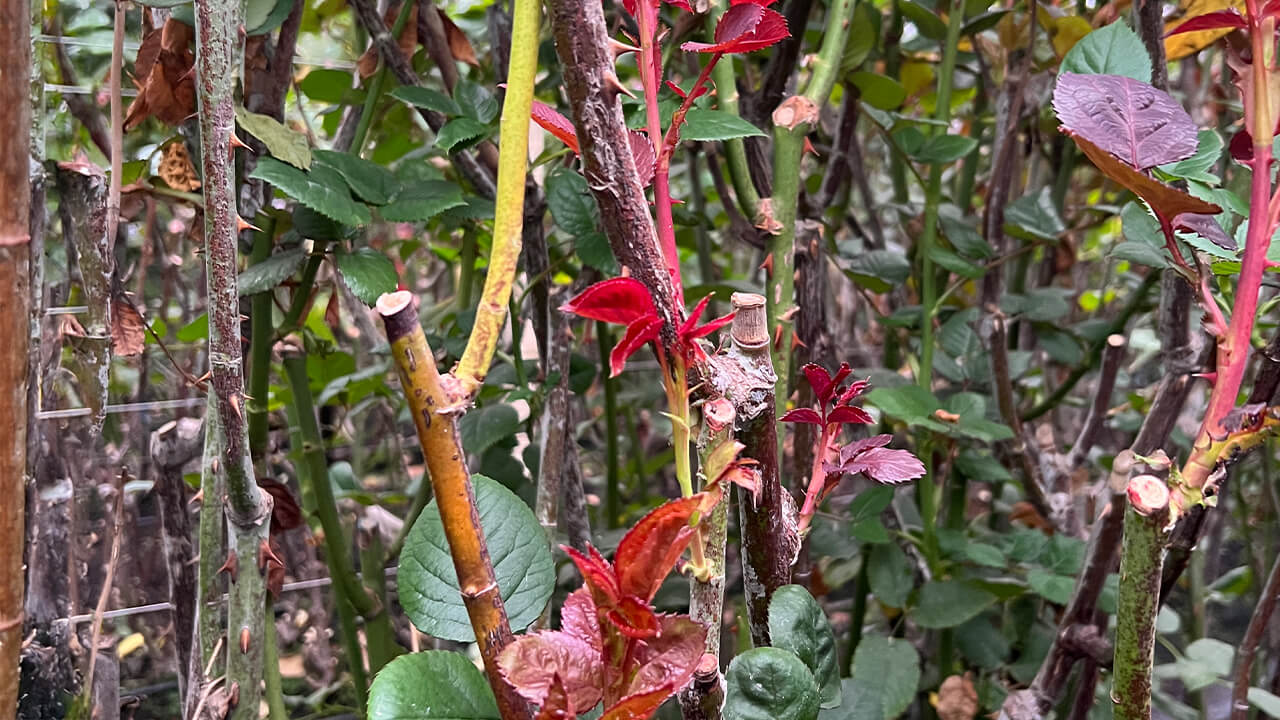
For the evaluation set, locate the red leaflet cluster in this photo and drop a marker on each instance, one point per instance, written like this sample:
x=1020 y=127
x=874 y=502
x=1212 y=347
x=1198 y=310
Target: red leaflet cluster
x=558 y=125
x=868 y=456
x=611 y=645
x=746 y=27
x=626 y=301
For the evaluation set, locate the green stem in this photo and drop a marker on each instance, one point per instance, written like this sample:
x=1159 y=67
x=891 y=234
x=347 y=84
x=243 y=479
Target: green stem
x=313 y=475
x=466 y=268
x=858 y=616
x=271 y=671
x=260 y=350
x=302 y=293
x=933 y=197
x=892 y=64
x=612 y=490
x=382 y=644
x=348 y=627
x=735 y=150
x=374 y=92
x=1141 y=565
x=212 y=531
x=788 y=150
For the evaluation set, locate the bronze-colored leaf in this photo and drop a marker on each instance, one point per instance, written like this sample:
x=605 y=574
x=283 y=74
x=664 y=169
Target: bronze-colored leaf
x=1167 y=201
x=408 y=40
x=176 y=168
x=128 y=329
x=459 y=45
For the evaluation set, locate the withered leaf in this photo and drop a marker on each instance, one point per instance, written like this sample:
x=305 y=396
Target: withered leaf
x=128 y=329
x=176 y=168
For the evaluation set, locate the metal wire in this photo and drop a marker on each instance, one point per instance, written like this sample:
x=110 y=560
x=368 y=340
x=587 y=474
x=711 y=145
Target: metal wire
x=123 y=408
x=133 y=47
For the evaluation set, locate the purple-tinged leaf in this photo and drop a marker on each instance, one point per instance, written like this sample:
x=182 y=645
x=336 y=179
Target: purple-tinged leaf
x=802 y=415
x=885 y=465
x=1206 y=227
x=534 y=662
x=642 y=153
x=557 y=705
x=578 y=618
x=850 y=414
x=820 y=381
x=1132 y=120
x=671 y=657
x=746 y=27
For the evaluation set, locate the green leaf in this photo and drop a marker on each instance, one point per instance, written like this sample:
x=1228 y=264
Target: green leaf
x=863 y=34
x=879 y=270
x=910 y=403
x=984 y=554
x=195 y=330
x=570 y=202
x=283 y=143
x=263 y=16
x=310 y=224
x=871 y=530
x=982 y=642
x=421 y=201
x=594 y=251
x=1051 y=586
x=890 y=574
x=944 y=149
x=947 y=603
x=428 y=583
x=1110 y=50
x=1265 y=701
x=769 y=684
x=708 y=125
x=368 y=273
x=925 y=20
x=476 y=102
x=321 y=190
x=952 y=262
x=869 y=503
x=431 y=685
x=374 y=184
x=1198 y=166
x=964 y=237
x=1140 y=253
x=886 y=674
x=879 y=91
x=486 y=426
x=797 y=623
x=460 y=133
x=330 y=86
x=1035 y=216
x=163 y=3
x=426 y=98
x=269 y=273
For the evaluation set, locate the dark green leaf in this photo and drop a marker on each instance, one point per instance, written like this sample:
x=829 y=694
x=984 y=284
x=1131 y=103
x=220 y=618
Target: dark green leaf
x=1052 y=587
x=909 y=403
x=984 y=554
x=431 y=685
x=310 y=224
x=460 y=133
x=925 y=20
x=329 y=86
x=947 y=603
x=374 y=184
x=281 y=142
x=886 y=674
x=570 y=202
x=368 y=273
x=269 y=273
x=421 y=201
x=948 y=260
x=890 y=574
x=982 y=643
x=476 y=102
x=943 y=149
x=769 y=684
x=1140 y=253
x=263 y=16
x=594 y=251
x=1199 y=166
x=1110 y=50
x=709 y=125
x=963 y=236
x=879 y=270
x=1034 y=217
x=428 y=583
x=486 y=426
x=427 y=98
x=797 y=623
x=870 y=503
x=321 y=190
x=870 y=530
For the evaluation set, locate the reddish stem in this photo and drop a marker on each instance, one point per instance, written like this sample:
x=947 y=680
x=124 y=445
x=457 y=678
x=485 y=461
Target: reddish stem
x=673 y=131
x=650 y=75
x=1233 y=348
x=817 y=479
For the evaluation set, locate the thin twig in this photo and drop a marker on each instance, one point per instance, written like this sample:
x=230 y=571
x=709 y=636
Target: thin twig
x=113 y=561
x=1024 y=450
x=117 y=126
x=1249 y=645
x=1112 y=357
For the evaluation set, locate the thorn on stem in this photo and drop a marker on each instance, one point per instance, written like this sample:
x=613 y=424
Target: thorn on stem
x=231 y=565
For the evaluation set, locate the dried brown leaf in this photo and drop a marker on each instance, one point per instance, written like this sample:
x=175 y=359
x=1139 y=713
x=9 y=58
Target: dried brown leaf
x=957 y=698
x=459 y=46
x=176 y=168
x=128 y=329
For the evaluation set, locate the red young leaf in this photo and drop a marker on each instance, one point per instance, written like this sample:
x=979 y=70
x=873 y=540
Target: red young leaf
x=671 y=657
x=676 y=89
x=1206 y=227
x=620 y=301
x=642 y=153
x=553 y=122
x=596 y=573
x=630 y=5
x=649 y=550
x=634 y=618
x=535 y=661
x=858 y=446
x=1270 y=9
x=1216 y=20
x=638 y=333
x=802 y=415
x=578 y=618
x=557 y=704
x=1241 y=146
x=638 y=707
x=819 y=381
x=1130 y=119
x=855 y=389
x=1165 y=200
x=849 y=414
x=690 y=330
x=745 y=28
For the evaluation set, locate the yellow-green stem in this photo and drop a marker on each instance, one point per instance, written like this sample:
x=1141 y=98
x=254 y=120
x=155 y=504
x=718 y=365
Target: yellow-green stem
x=508 y=221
